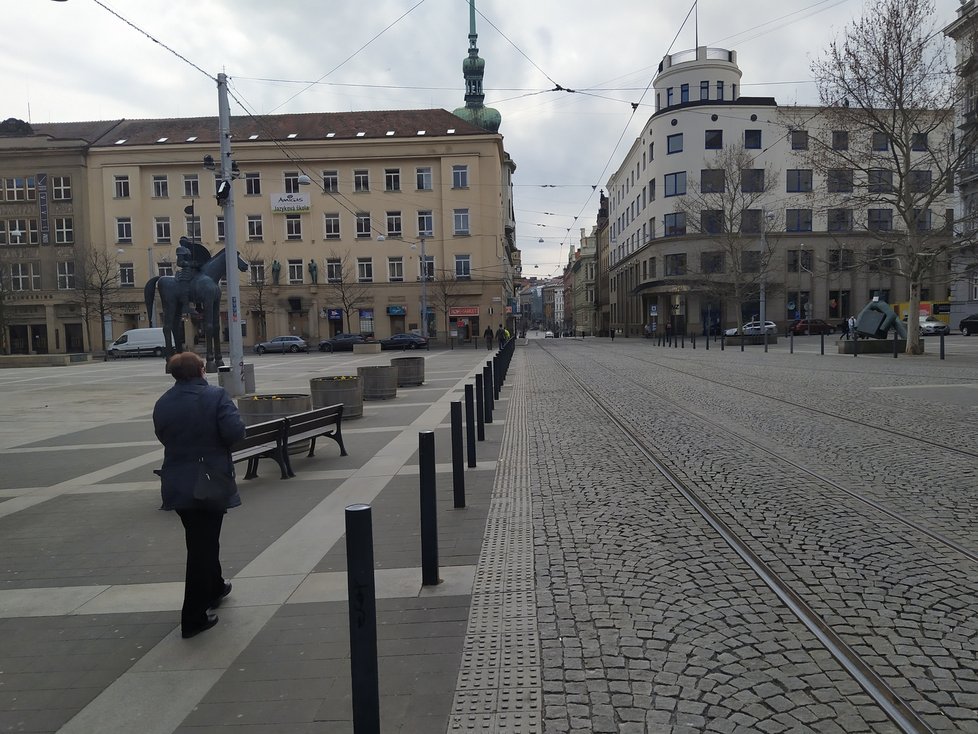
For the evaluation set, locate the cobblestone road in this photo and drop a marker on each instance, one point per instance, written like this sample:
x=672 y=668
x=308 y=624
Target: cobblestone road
x=650 y=623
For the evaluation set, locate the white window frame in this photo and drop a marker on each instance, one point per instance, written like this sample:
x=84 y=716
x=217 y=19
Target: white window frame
x=331 y=226
x=395 y=269
x=291 y=181
x=460 y=221
x=361 y=180
x=334 y=270
x=191 y=185
x=365 y=270
x=256 y=228
x=460 y=176
x=394 y=224
x=123 y=230
x=253 y=184
x=331 y=182
x=392 y=179
x=66 y=275
x=363 y=225
x=295 y=272
x=161 y=230
x=127 y=275
x=219 y=228
x=161 y=186
x=423 y=178
x=64 y=231
x=463 y=267
x=61 y=188
x=257 y=270
x=293 y=227
x=426 y=223
x=121 y=184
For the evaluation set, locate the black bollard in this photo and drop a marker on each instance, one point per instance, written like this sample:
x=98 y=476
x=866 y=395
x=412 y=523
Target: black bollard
x=855 y=345
x=470 y=424
x=487 y=387
x=693 y=340
x=942 y=346
x=791 y=343
x=742 y=342
x=822 y=346
x=684 y=340
x=707 y=340
x=458 y=470
x=480 y=410
x=429 y=510
x=723 y=339
x=362 y=602
x=896 y=344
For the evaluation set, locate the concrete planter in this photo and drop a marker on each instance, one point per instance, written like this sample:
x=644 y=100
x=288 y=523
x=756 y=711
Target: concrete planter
x=261 y=408
x=346 y=389
x=371 y=348
x=379 y=383
x=410 y=371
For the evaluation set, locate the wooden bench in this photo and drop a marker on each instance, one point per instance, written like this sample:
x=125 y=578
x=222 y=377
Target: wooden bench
x=310 y=425
x=263 y=440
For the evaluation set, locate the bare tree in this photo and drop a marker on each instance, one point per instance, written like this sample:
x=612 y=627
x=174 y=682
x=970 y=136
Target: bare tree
x=346 y=289
x=444 y=292
x=97 y=292
x=724 y=208
x=887 y=133
x=257 y=298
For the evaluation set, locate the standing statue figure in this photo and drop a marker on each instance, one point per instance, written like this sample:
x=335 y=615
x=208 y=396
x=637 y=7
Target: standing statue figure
x=313 y=272
x=276 y=271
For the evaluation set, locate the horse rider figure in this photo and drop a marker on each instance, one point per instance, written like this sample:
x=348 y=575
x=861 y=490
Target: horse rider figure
x=189 y=269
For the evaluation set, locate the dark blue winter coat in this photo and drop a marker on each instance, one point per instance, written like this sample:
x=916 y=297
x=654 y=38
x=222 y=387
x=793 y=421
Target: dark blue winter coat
x=193 y=419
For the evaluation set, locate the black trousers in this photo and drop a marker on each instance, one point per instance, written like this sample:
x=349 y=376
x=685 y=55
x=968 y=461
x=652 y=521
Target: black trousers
x=204 y=581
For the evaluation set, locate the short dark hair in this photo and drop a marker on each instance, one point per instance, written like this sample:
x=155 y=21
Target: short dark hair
x=185 y=366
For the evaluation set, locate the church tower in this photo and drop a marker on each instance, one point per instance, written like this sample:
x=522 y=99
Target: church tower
x=473 y=69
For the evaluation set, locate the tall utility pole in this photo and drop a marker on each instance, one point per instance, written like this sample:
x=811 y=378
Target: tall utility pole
x=234 y=383
x=424 y=290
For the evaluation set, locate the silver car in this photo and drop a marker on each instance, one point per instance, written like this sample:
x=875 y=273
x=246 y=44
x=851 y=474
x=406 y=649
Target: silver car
x=931 y=325
x=283 y=344
x=754 y=327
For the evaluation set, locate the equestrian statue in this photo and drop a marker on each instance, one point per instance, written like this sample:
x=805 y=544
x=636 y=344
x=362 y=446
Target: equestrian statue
x=197 y=282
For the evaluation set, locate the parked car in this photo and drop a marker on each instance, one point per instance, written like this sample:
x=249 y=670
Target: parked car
x=811 y=326
x=404 y=341
x=282 y=344
x=548 y=335
x=931 y=325
x=137 y=342
x=754 y=327
x=969 y=325
x=342 y=342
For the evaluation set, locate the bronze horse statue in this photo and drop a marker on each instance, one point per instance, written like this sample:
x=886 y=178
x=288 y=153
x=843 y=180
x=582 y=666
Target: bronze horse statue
x=197 y=283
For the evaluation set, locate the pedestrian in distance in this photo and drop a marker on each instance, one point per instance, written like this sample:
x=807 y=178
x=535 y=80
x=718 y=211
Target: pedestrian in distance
x=612 y=334
x=852 y=327
x=487 y=335
x=197 y=424
x=500 y=337
x=668 y=332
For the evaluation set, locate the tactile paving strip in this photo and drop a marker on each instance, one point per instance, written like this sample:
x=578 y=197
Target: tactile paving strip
x=499 y=688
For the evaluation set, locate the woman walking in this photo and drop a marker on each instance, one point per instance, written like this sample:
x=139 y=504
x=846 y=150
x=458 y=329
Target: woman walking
x=197 y=424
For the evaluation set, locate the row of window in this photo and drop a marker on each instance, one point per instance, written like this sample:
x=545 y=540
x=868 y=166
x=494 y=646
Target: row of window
x=715 y=262
x=704 y=93
x=364 y=228
x=26 y=276
x=798 y=220
x=330 y=182
x=713 y=140
x=24 y=188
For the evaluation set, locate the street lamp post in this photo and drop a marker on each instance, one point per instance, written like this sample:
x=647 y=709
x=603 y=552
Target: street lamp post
x=235 y=383
x=769 y=216
x=810 y=305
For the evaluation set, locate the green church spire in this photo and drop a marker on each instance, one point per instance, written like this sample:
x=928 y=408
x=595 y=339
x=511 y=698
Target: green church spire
x=473 y=69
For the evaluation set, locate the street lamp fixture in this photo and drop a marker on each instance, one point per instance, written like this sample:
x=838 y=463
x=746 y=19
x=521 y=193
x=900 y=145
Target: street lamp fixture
x=424 y=283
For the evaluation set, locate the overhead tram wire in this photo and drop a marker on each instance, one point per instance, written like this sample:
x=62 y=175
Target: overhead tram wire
x=351 y=56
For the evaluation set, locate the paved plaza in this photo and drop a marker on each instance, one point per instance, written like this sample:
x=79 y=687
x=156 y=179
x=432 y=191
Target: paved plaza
x=579 y=592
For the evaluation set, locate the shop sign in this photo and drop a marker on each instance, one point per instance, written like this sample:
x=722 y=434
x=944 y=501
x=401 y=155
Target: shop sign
x=463 y=311
x=291 y=203
x=366 y=313
x=396 y=311
x=334 y=314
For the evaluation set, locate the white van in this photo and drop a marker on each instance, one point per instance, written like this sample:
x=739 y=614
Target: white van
x=137 y=342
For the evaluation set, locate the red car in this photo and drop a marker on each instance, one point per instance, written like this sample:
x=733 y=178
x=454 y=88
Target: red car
x=811 y=326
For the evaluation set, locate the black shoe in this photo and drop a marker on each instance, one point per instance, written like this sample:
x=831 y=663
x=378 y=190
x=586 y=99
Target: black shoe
x=224 y=592
x=187 y=633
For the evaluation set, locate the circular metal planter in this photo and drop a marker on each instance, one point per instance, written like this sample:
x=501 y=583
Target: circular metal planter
x=379 y=382
x=261 y=408
x=346 y=389
x=410 y=371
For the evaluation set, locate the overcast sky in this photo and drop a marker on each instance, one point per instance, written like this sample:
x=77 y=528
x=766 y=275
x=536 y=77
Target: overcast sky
x=75 y=60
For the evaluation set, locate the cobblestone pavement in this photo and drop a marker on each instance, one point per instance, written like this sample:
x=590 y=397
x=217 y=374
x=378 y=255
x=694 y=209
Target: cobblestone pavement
x=650 y=623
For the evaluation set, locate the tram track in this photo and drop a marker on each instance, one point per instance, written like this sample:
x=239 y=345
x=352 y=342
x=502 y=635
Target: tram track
x=835 y=415
x=897 y=708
